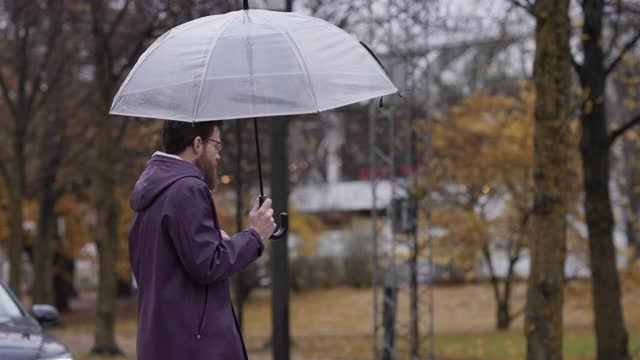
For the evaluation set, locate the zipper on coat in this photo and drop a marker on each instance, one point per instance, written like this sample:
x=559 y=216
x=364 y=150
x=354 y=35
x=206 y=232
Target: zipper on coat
x=204 y=313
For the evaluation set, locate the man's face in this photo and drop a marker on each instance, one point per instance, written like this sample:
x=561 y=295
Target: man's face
x=208 y=160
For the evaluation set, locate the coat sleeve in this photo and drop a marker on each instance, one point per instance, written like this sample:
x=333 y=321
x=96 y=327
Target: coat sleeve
x=194 y=232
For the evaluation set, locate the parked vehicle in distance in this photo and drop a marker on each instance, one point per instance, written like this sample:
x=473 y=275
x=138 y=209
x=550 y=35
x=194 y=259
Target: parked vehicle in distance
x=23 y=335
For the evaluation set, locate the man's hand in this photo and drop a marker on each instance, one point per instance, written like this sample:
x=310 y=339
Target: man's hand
x=224 y=235
x=261 y=219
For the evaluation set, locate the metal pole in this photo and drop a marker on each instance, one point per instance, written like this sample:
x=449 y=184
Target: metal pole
x=372 y=177
x=428 y=206
x=255 y=128
x=415 y=316
x=374 y=240
x=393 y=301
x=280 y=311
x=240 y=278
x=432 y=267
x=391 y=282
x=279 y=249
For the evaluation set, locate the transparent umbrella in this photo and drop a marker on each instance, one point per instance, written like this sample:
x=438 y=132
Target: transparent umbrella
x=250 y=64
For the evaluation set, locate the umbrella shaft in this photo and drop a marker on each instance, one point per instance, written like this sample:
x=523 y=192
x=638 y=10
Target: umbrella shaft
x=255 y=128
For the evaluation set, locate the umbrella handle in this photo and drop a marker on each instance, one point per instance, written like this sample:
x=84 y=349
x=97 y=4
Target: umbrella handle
x=284 y=222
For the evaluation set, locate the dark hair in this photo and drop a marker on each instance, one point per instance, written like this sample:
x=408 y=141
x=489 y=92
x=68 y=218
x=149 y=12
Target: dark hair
x=178 y=135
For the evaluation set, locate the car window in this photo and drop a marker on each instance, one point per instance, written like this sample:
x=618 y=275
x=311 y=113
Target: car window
x=8 y=308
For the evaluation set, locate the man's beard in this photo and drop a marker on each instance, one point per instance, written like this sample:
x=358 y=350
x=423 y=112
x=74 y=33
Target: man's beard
x=210 y=172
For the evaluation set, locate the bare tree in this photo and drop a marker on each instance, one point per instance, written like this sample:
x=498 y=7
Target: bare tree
x=600 y=56
x=552 y=78
x=599 y=60
x=116 y=42
x=30 y=46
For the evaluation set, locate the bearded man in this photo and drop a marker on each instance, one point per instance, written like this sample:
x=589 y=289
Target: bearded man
x=181 y=259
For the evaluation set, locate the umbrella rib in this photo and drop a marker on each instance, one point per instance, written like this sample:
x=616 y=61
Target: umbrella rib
x=146 y=55
x=303 y=63
x=370 y=56
x=300 y=57
x=151 y=49
x=206 y=67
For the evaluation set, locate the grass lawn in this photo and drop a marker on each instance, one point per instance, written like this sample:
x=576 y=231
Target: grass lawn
x=578 y=344
x=337 y=324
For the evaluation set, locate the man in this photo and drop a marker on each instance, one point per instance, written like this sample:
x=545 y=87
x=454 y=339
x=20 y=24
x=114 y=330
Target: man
x=180 y=258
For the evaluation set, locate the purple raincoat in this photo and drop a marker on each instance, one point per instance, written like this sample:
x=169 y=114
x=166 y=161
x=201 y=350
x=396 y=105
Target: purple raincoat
x=182 y=266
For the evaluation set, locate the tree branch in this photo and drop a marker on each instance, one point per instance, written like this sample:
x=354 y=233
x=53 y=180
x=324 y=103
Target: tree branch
x=616 y=133
x=132 y=57
x=7 y=96
x=631 y=43
x=53 y=83
x=79 y=149
x=616 y=27
x=121 y=132
x=527 y=5
x=492 y=273
x=629 y=8
x=116 y=22
x=4 y=171
x=52 y=40
x=22 y=64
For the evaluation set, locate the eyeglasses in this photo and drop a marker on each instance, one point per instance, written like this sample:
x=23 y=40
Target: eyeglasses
x=218 y=144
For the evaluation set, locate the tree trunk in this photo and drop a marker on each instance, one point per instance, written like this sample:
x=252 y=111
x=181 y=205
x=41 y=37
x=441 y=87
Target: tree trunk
x=503 y=316
x=16 y=198
x=552 y=78
x=44 y=244
x=106 y=240
x=632 y=161
x=106 y=234
x=502 y=305
x=15 y=218
x=628 y=178
x=42 y=291
x=611 y=334
x=107 y=246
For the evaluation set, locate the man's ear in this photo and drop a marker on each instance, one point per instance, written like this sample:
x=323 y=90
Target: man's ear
x=198 y=147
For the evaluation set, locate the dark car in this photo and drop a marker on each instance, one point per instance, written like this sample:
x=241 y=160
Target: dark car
x=22 y=335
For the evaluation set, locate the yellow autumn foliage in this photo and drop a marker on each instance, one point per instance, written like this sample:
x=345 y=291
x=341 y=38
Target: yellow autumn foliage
x=482 y=152
x=307 y=227
x=78 y=225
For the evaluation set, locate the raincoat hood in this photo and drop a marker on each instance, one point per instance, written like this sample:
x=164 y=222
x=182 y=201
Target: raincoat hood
x=159 y=173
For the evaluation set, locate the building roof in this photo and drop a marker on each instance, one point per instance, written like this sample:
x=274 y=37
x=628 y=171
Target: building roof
x=343 y=196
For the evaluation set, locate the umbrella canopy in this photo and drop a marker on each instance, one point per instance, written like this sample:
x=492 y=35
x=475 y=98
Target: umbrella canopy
x=250 y=63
